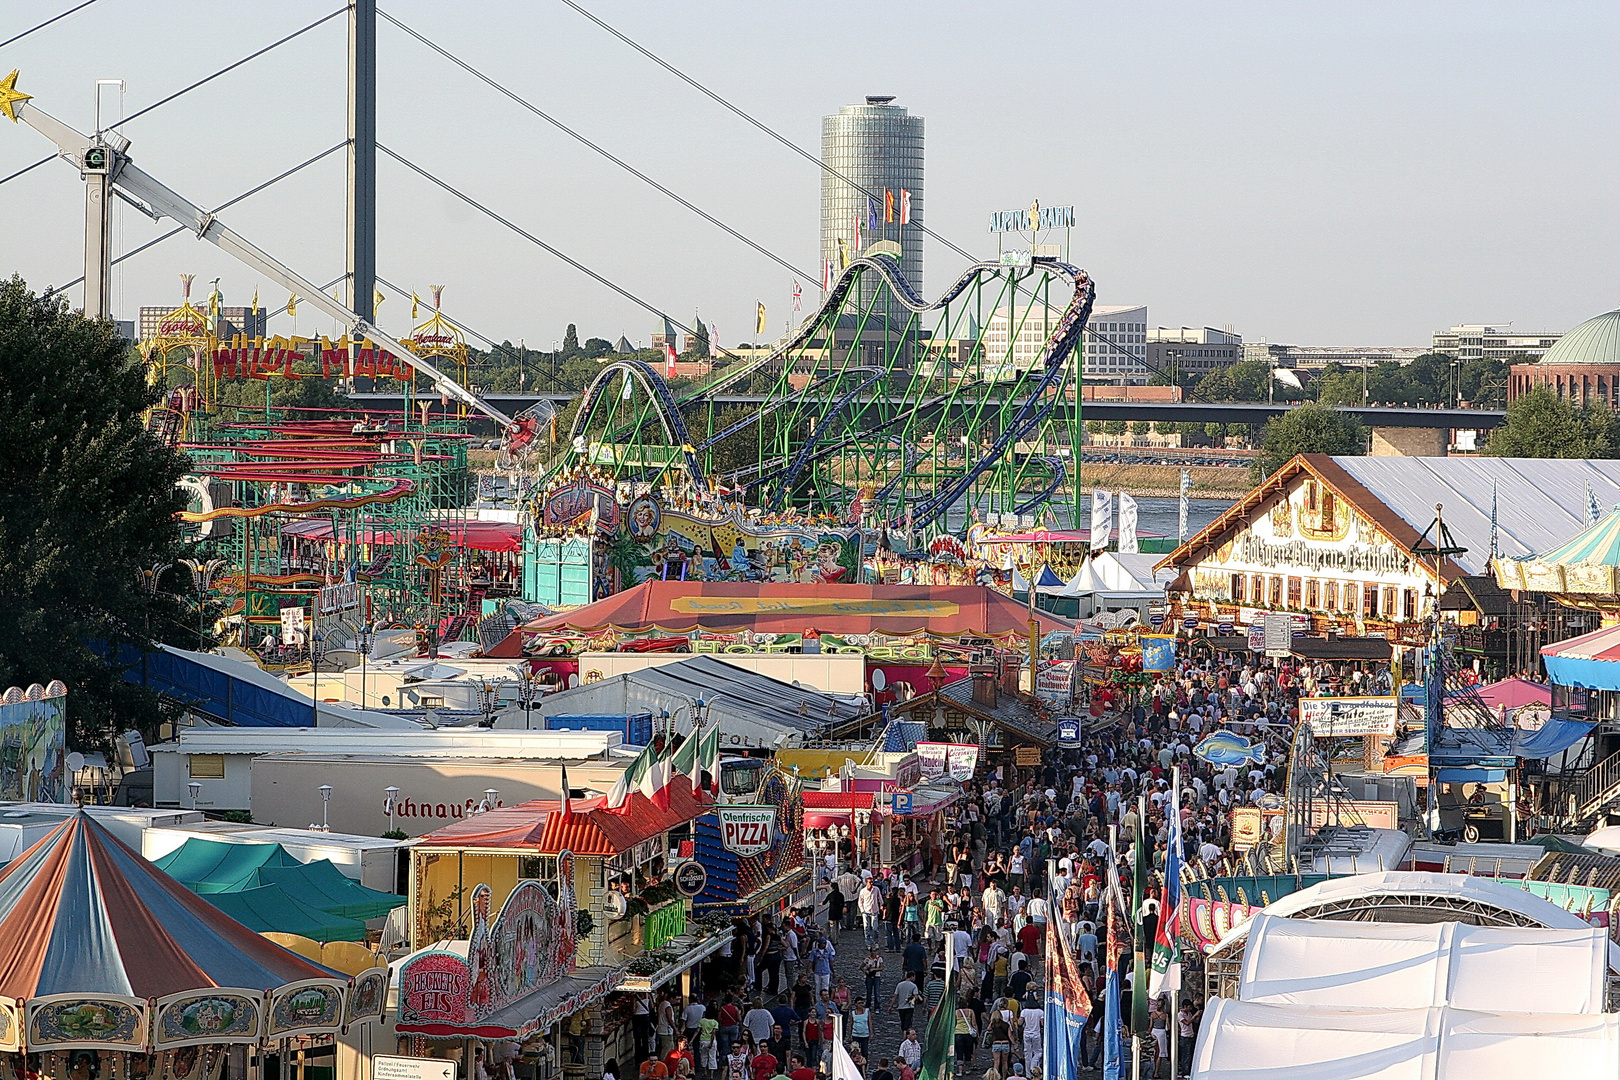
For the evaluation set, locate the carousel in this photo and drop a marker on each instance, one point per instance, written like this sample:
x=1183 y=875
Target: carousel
x=111 y=970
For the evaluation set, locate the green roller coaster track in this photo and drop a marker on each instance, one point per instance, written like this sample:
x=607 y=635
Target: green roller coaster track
x=916 y=410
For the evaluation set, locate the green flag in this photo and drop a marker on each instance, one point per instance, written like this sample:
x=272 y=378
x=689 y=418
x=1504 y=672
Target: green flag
x=1141 y=940
x=939 y=1041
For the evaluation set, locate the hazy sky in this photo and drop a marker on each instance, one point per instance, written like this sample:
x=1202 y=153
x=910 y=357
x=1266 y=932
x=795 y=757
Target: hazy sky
x=1323 y=174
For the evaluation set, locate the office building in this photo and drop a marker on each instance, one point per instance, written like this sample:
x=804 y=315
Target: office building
x=872 y=148
x=1500 y=342
x=1114 y=345
x=1192 y=350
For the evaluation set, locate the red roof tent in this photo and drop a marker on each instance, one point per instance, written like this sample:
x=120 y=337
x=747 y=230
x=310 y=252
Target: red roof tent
x=477 y=535
x=592 y=829
x=824 y=808
x=726 y=607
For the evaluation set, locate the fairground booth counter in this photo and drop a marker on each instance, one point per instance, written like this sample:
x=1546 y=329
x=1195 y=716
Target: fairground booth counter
x=608 y=889
x=114 y=971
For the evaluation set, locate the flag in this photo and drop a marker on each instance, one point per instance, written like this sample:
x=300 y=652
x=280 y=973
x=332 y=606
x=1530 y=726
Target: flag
x=1102 y=519
x=1066 y=1003
x=1166 y=971
x=1183 y=505
x=888 y=206
x=669 y=361
x=905 y=207
x=827 y=273
x=1495 y=539
x=1113 y=1050
x=630 y=779
x=1593 y=510
x=843 y=253
x=714 y=342
x=255 y=298
x=939 y=1038
x=567 y=801
x=857 y=235
x=687 y=760
x=292 y=304
x=415 y=302
x=842 y=1065
x=377 y=299
x=759 y=318
x=1142 y=849
x=871 y=215
x=798 y=293
x=1127 y=525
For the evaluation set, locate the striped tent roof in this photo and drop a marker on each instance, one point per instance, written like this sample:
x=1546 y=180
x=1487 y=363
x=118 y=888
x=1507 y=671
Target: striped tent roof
x=81 y=913
x=1588 y=562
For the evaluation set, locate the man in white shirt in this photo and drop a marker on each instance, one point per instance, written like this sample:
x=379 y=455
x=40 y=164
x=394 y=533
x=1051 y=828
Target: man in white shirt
x=911 y=1050
x=963 y=944
x=758 y=1021
x=1037 y=910
x=1209 y=852
x=995 y=903
x=870 y=903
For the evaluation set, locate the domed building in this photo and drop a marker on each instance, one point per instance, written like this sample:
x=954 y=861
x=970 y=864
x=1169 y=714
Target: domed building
x=1583 y=365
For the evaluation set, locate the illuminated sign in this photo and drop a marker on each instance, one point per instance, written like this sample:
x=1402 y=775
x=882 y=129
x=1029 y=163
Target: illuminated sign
x=746 y=830
x=261 y=358
x=1032 y=218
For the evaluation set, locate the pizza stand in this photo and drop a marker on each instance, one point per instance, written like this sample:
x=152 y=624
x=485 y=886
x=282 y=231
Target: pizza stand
x=111 y=970
x=614 y=872
x=754 y=854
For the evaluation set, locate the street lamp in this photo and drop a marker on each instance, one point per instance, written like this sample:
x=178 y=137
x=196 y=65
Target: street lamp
x=202 y=576
x=393 y=798
x=195 y=789
x=326 y=797
x=528 y=688
x=490 y=795
x=363 y=643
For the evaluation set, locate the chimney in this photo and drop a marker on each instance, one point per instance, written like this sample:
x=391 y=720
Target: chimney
x=1011 y=670
x=984 y=688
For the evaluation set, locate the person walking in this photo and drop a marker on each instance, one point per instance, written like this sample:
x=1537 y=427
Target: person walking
x=860 y=1026
x=893 y=905
x=870 y=902
x=821 y=960
x=904 y=1001
x=872 y=968
x=835 y=911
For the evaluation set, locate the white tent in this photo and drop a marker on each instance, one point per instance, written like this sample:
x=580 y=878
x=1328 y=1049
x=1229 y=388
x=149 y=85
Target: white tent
x=1109 y=581
x=1324 y=963
x=1244 y=1040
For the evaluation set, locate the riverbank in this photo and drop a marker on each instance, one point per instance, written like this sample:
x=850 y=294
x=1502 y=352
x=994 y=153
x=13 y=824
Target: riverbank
x=1164 y=481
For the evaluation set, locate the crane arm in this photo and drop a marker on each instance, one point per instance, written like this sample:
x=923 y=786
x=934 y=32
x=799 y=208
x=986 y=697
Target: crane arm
x=165 y=202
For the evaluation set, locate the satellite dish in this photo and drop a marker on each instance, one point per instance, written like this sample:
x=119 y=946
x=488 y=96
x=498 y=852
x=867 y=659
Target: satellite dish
x=879 y=680
x=75 y=762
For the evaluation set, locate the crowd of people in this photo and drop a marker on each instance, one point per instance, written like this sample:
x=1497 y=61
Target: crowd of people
x=867 y=964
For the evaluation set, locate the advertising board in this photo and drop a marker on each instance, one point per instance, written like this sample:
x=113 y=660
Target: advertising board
x=746 y=830
x=1348 y=717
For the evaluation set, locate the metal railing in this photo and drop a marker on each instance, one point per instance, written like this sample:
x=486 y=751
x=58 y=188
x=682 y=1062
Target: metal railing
x=1598 y=786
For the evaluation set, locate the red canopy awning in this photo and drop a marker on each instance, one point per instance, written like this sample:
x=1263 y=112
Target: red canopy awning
x=475 y=535
x=947 y=611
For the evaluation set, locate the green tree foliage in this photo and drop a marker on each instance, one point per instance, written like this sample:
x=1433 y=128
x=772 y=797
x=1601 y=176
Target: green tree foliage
x=1114 y=427
x=570 y=345
x=1541 y=424
x=1141 y=427
x=596 y=348
x=1309 y=429
x=89 y=502
x=1243 y=381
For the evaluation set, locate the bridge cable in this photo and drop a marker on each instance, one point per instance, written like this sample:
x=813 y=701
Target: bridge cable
x=230 y=67
x=222 y=206
x=47 y=22
x=625 y=165
x=529 y=236
x=28 y=168
x=783 y=139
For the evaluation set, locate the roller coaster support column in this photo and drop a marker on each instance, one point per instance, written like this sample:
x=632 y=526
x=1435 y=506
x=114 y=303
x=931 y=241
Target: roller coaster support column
x=361 y=233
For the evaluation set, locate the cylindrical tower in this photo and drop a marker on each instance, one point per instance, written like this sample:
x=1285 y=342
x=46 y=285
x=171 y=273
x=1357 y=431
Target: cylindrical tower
x=877 y=146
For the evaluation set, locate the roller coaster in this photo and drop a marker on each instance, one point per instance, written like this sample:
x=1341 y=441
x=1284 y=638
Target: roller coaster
x=880 y=407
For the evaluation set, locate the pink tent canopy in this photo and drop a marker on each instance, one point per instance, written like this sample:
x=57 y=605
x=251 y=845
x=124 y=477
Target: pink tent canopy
x=1512 y=693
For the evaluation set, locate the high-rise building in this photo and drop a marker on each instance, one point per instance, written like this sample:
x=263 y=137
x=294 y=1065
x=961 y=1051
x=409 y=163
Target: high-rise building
x=1115 y=343
x=1192 y=350
x=878 y=147
x=1493 y=342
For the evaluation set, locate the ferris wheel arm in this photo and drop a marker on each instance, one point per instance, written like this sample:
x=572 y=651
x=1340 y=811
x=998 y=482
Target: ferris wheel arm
x=165 y=202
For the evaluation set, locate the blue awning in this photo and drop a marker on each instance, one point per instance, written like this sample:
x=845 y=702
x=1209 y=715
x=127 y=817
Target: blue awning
x=1554 y=737
x=1461 y=775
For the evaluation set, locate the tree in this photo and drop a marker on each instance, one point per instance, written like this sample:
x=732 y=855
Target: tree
x=1114 y=427
x=89 y=501
x=596 y=348
x=1541 y=424
x=570 y=345
x=1309 y=429
x=1140 y=427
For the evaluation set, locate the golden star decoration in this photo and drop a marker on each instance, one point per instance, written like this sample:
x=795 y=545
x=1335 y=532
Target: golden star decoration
x=10 y=95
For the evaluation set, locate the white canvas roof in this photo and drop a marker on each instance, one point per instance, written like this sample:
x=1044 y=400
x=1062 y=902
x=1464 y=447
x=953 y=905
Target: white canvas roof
x=1540 y=503
x=1324 y=963
x=1243 y=1040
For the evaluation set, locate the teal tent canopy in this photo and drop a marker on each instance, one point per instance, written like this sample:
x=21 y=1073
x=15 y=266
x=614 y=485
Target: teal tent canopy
x=272 y=909
x=214 y=869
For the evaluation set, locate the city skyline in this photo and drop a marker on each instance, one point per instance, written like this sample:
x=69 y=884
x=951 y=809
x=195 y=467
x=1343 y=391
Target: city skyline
x=1352 y=195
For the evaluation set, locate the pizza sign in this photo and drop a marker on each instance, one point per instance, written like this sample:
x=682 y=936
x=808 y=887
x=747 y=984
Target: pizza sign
x=746 y=830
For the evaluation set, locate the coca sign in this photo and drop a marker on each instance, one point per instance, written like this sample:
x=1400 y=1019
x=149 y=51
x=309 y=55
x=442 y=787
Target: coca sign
x=746 y=830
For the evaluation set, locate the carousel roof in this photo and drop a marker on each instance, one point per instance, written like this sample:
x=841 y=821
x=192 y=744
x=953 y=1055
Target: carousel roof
x=1588 y=562
x=82 y=913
